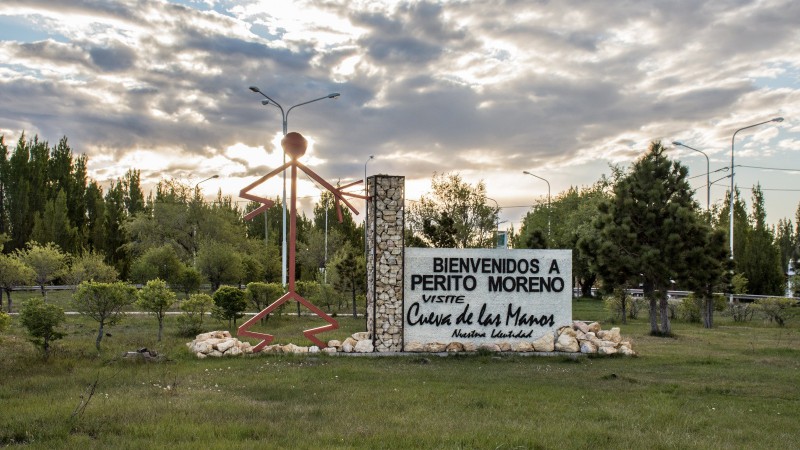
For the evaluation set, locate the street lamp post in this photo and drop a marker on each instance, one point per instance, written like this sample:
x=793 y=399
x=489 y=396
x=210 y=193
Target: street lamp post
x=708 y=172
x=730 y=218
x=548 y=199
x=366 y=197
x=285 y=117
x=194 y=226
x=496 y=219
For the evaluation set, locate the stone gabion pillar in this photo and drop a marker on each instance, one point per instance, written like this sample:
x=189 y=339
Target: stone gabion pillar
x=385 y=224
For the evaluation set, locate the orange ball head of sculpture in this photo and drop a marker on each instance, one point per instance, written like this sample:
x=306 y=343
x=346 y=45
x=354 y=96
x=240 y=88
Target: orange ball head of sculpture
x=294 y=144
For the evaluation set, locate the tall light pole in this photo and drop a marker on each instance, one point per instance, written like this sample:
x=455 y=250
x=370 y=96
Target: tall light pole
x=548 y=199
x=366 y=208
x=497 y=218
x=194 y=226
x=285 y=117
x=733 y=138
x=708 y=173
x=777 y=119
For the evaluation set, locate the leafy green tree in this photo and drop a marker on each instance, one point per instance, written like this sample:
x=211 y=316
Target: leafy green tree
x=90 y=266
x=4 y=180
x=116 y=236
x=188 y=280
x=274 y=229
x=785 y=240
x=311 y=253
x=104 y=303
x=13 y=273
x=47 y=262
x=351 y=273
x=760 y=257
x=707 y=269
x=570 y=215
x=41 y=320
x=157 y=298
x=452 y=199
x=157 y=262
x=95 y=228
x=194 y=310
x=52 y=225
x=439 y=230
x=230 y=304
x=324 y=209
x=134 y=197
x=647 y=229
x=219 y=263
x=262 y=295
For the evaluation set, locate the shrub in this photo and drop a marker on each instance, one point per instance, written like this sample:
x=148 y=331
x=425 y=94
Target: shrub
x=190 y=323
x=775 y=309
x=104 y=303
x=741 y=312
x=157 y=298
x=617 y=304
x=262 y=295
x=230 y=303
x=41 y=320
x=5 y=321
x=635 y=306
x=689 y=309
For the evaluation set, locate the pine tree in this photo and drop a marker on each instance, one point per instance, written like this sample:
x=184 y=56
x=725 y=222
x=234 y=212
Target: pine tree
x=647 y=230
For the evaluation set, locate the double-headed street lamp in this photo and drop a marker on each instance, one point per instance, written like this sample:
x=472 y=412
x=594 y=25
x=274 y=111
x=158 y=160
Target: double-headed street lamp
x=548 y=199
x=708 y=172
x=285 y=117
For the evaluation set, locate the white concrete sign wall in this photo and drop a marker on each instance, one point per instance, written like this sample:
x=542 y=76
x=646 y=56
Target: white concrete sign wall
x=484 y=296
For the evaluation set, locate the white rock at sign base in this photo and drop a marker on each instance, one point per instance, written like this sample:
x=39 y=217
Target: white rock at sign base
x=413 y=346
x=588 y=347
x=360 y=336
x=347 y=347
x=545 y=343
x=606 y=350
x=334 y=343
x=364 y=346
x=522 y=346
x=454 y=347
x=567 y=343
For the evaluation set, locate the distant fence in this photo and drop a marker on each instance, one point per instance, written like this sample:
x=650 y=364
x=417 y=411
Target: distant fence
x=744 y=298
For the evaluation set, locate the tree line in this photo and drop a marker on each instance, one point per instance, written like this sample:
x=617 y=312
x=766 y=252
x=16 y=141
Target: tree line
x=51 y=208
x=640 y=228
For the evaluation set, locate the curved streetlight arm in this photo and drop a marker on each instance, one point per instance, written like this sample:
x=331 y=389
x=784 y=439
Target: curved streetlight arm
x=548 y=198
x=270 y=101
x=203 y=181
x=708 y=172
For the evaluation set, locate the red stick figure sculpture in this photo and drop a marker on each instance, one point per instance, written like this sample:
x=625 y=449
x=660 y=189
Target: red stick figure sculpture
x=294 y=144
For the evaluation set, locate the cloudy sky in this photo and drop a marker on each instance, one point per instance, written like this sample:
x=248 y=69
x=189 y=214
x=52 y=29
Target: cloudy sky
x=484 y=88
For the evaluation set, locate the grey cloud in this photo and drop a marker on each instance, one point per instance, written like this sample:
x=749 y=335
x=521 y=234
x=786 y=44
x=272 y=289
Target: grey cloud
x=115 y=58
x=582 y=98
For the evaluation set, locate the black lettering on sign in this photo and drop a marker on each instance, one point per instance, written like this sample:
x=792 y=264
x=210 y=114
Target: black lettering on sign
x=414 y=317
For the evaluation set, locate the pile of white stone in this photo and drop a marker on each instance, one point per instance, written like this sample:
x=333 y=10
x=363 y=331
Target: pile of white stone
x=357 y=343
x=218 y=343
x=578 y=338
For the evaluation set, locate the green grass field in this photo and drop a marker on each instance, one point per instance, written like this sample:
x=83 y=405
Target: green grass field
x=735 y=386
